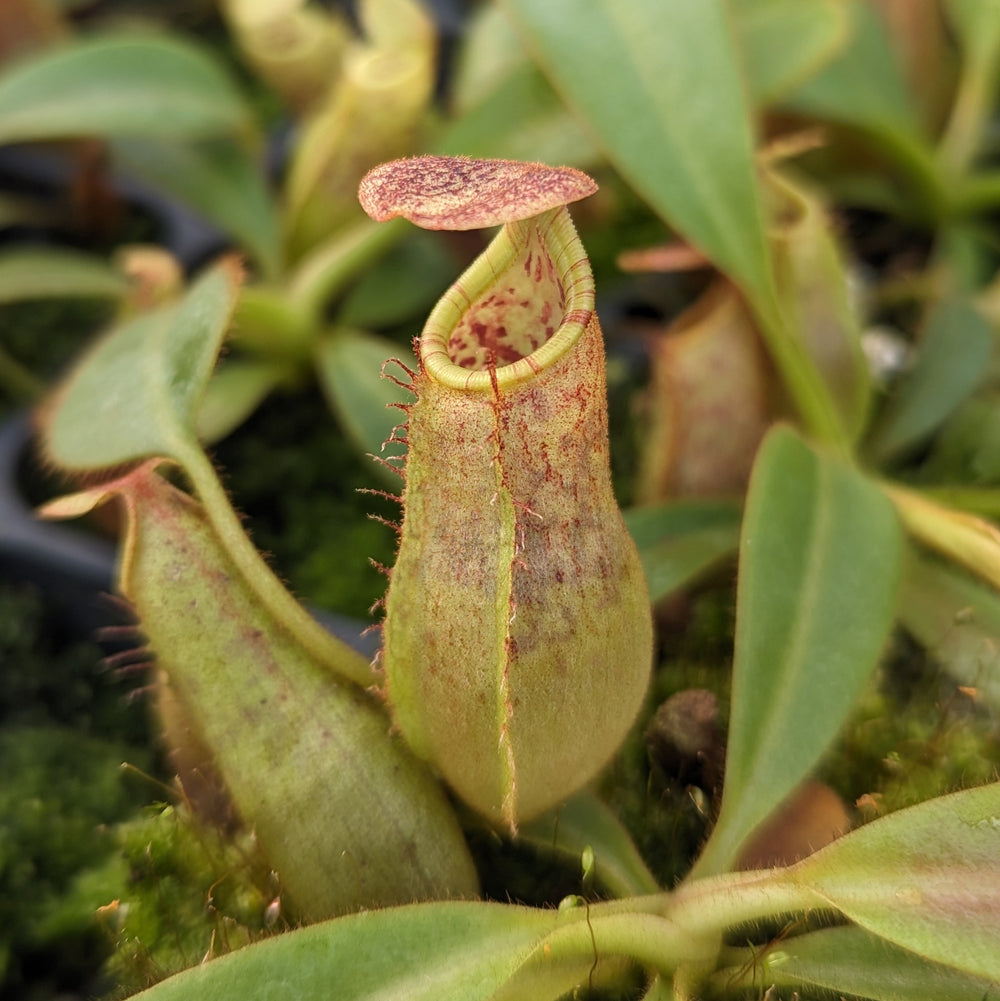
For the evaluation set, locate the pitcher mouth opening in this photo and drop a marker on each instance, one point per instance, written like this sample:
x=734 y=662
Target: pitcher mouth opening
x=522 y=305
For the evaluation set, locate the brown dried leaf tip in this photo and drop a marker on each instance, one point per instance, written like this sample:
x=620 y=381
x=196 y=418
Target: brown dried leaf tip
x=455 y=192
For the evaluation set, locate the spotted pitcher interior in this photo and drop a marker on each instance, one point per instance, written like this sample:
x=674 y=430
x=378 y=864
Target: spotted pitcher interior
x=515 y=316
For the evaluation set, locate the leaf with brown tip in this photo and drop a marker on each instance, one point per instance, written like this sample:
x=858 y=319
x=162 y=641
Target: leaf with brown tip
x=452 y=192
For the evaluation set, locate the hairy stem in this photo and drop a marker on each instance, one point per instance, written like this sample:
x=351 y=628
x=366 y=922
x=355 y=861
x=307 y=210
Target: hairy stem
x=327 y=648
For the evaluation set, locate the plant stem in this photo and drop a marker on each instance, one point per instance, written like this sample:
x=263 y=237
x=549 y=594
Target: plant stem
x=964 y=131
x=929 y=199
x=326 y=270
x=711 y=905
x=683 y=928
x=653 y=941
x=326 y=648
x=801 y=377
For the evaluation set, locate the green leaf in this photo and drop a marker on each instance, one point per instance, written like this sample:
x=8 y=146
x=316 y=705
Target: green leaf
x=956 y=348
x=585 y=822
x=926 y=878
x=118 y=86
x=785 y=41
x=350 y=370
x=136 y=392
x=45 y=272
x=863 y=86
x=852 y=961
x=659 y=85
x=521 y=119
x=503 y=105
x=219 y=180
x=680 y=540
x=819 y=566
x=137 y=395
x=429 y=952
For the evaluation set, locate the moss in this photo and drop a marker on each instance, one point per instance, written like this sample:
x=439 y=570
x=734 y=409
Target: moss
x=913 y=736
x=296 y=478
x=186 y=892
x=52 y=675
x=669 y=821
x=42 y=336
x=53 y=824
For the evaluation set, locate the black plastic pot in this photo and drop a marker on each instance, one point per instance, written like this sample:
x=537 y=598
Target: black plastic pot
x=52 y=175
x=72 y=566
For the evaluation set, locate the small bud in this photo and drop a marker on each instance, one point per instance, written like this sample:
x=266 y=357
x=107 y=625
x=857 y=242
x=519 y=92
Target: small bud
x=518 y=636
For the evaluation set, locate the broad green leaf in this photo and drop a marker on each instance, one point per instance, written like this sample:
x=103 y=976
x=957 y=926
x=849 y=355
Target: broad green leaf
x=219 y=180
x=135 y=394
x=503 y=105
x=342 y=809
x=852 y=961
x=44 y=272
x=926 y=878
x=658 y=83
x=350 y=370
x=680 y=540
x=522 y=119
x=118 y=86
x=491 y=51
x=785 y=41
x=429 y=952
x=957 y=619
x=956 y=348
x=585 y=822
x=819 y=565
